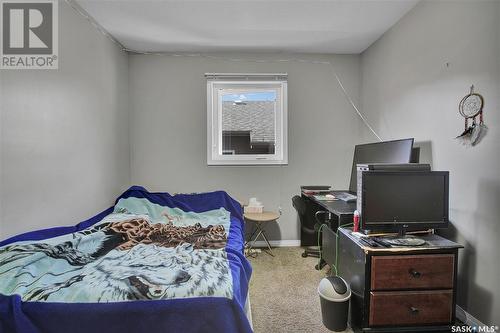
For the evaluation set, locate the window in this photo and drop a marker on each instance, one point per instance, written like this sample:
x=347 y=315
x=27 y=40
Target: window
x=247 y=119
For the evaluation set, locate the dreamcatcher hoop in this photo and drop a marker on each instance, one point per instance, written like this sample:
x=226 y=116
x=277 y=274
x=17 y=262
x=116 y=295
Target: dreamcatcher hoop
x=471 y=106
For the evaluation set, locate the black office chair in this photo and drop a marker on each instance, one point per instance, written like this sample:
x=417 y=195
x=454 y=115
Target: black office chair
x=300 y=205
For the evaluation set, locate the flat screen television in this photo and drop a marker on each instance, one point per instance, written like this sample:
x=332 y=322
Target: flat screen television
x=396 y=201
x=396 y=151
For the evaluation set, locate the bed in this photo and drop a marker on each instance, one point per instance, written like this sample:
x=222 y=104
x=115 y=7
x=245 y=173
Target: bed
x=151 y=263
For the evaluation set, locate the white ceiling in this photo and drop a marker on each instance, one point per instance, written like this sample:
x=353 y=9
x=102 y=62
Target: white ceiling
x=311 y=26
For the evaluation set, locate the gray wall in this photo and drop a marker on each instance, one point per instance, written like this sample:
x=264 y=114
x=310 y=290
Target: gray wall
x=408 y=90
x=168 y=129
x=64 y=133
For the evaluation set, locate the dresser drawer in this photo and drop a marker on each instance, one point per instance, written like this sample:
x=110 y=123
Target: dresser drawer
x=409 y=308
x=431 y=271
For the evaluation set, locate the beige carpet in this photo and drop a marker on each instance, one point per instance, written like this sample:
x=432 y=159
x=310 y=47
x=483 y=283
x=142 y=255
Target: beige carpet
x=283 y=292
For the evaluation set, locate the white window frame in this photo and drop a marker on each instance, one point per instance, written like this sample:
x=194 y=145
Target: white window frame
x=247 y=82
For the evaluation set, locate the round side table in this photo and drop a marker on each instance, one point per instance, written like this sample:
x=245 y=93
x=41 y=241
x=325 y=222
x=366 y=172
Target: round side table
x=260 y=219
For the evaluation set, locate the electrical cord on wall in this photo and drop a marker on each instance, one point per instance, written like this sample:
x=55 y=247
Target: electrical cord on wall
x=82 y=12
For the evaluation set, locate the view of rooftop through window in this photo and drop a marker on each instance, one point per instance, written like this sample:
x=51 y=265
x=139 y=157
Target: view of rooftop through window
x=248 y=122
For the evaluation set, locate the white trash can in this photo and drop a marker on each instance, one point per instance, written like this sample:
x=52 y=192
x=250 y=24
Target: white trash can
x=334 y=294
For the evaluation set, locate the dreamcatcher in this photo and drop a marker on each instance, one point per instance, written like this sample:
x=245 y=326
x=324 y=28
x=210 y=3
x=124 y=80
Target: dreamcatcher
x=471 y=107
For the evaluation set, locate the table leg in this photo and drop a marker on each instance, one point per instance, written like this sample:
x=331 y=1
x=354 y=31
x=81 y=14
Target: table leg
x=251 y=236
x=251 y=242
x=258 y=232
x=268 y=244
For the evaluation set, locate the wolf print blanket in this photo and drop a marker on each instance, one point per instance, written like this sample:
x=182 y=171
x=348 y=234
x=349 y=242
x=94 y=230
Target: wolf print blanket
x=151 y=263
x=163 y=253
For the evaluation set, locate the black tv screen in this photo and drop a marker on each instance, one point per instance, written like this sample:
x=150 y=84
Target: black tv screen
x=396 y=151
x=418 y=199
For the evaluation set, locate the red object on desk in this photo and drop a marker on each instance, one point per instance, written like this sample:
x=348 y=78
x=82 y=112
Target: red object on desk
x=355 y=220
x=310 y=192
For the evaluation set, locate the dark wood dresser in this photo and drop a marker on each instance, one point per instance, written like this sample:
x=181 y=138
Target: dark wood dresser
x=404 y=289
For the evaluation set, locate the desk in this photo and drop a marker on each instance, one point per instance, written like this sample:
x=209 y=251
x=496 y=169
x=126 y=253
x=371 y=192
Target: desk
x=341 y=213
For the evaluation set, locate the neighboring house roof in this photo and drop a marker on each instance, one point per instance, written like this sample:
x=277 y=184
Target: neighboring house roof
x=257 y=117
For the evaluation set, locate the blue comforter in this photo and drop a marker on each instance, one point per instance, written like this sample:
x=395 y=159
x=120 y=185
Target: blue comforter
x=152 y=263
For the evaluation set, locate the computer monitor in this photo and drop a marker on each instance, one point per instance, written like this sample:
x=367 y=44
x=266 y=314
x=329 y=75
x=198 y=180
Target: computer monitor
x=396 y=151
x=404 y=200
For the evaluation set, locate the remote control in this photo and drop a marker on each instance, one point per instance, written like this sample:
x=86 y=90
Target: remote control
x=381 y=241
x=369 y=242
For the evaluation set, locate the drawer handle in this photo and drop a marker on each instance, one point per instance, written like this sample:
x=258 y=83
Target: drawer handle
x=414 y=310
x=414 y=273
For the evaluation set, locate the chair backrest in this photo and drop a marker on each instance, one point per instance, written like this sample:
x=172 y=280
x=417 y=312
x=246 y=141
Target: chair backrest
x=300 y=205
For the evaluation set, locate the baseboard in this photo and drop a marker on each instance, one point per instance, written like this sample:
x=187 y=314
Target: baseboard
x=467 y=318
x=278 y=243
